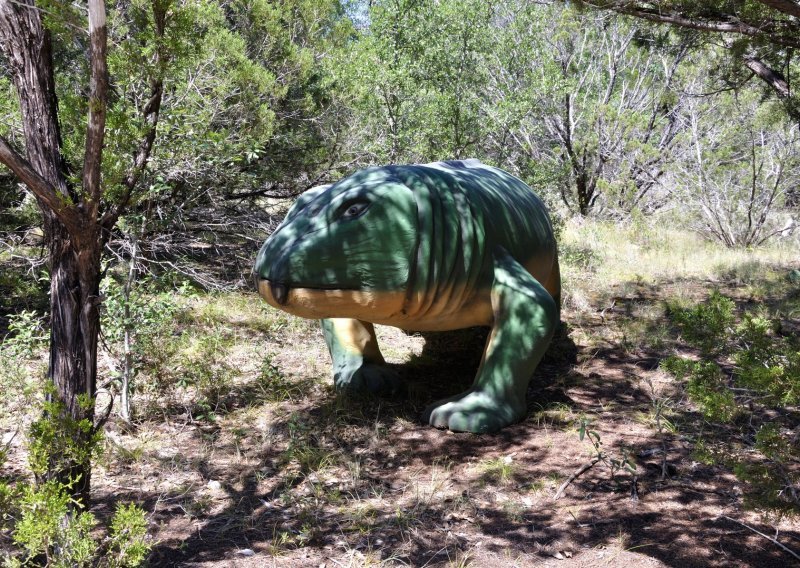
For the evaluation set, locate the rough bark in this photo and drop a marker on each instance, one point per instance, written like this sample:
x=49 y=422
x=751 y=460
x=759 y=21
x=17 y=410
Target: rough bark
x=69 y=216
x=773 y=78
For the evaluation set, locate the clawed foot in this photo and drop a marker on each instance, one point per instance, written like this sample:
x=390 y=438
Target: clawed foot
x=370 y=378
x=474 y=411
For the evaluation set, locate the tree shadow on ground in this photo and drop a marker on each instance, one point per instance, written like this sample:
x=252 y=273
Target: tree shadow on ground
x=671 y=508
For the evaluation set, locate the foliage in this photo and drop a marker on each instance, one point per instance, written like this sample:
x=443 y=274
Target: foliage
x=53 y=531
x=47 y=523
x=762 y=43
x=21 y=369
x=26 y=335
x=57 y=441
x=590 y=105
x=129 y=544
x=415 y=74
x=47 y=527
x=274 y=385
x=768 y=361
x=703 y=325
x=707 y=386
x=146 y=315
x=250 y=103
x=738 y=172
x=755 y=395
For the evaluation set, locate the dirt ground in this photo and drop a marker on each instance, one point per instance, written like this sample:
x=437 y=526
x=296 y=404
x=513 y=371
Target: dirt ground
x=316 y=479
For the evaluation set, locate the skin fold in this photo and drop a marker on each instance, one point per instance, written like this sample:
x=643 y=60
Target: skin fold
x=431 y=247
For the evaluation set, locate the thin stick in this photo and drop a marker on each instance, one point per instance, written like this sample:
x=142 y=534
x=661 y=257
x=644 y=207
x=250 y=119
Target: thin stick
x=789 y=550
x=580 y=471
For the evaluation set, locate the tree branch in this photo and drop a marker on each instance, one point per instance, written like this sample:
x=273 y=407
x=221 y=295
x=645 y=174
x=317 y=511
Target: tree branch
x=769 y=538
x=771 y=77
x=778 y=31
x=150 y=112
x=786 y=6
x=40 y=187
x=98 y=99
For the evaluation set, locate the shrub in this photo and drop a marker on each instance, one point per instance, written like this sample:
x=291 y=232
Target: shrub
x=704 y=325
x=146 y=315
x=747 y=378
x=706 y=386
x=48 y=526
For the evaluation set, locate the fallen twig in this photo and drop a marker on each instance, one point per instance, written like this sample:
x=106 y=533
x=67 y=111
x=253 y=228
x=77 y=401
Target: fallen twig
x=580 y=471
x=789 y=550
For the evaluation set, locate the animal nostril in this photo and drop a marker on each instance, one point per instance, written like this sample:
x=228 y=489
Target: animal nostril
x=280 y=291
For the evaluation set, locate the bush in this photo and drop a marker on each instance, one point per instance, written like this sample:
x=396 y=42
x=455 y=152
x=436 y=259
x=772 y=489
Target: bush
x=52 y=529
x=147 y=315
x=47 y=525
x=705 y=325
x=747 y=378
x=706 y=385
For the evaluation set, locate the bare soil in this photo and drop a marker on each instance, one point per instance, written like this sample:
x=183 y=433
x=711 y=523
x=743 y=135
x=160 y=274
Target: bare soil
x=288 y=473
x=318 y=479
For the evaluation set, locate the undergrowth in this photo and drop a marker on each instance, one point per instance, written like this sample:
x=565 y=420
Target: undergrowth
x=745 y=381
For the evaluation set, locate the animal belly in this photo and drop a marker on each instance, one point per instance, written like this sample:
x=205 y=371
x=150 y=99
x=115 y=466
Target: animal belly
x=478 y=312
x=312 y=303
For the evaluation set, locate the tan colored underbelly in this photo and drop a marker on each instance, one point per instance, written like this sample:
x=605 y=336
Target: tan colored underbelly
x=384 y=308
x=394 y=308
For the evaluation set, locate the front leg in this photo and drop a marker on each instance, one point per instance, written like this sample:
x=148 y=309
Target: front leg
x=358 y=365
x=525 y=317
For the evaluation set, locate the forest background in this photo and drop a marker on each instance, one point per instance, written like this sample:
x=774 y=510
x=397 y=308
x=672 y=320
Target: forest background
x=637 y=122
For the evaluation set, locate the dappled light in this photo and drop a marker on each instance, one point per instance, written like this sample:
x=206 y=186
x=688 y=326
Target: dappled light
x=399 y=283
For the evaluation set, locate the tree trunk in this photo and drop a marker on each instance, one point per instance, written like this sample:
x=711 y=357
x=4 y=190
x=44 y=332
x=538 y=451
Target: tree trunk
x=74 y=331
x=74 y=251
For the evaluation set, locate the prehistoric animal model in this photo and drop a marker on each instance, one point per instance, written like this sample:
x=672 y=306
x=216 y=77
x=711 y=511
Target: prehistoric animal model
x=432 y=247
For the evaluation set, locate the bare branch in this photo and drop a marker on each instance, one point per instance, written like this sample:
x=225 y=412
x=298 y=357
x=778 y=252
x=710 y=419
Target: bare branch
x=577 y=473
x=98 y=99
x=769 y=538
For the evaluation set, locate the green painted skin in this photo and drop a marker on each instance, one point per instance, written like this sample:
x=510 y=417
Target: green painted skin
x=425 y=247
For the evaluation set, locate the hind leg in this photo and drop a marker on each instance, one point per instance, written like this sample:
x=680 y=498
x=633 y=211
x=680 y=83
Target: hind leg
x=525 y=317
x=358 y=364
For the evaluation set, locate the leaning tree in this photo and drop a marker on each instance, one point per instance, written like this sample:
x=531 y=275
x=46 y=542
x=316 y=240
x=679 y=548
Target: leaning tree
x=78 y=211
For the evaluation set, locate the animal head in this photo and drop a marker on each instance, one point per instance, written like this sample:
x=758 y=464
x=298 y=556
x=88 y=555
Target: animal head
x=342 y=249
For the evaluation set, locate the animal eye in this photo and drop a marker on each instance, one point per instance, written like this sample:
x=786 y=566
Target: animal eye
x=354 y=210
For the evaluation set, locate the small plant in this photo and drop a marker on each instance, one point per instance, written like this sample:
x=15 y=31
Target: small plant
x=706 y=385
x=582 y=257
x=22 y=371
x=305 y=452
x=53 y=527
x=615 y=464
x=48 y=526
x=498 y=470
x=27 y=334
x=129 y=544
x=762 y=382
x=274 y=385
x=706 y=323
x=137 y=327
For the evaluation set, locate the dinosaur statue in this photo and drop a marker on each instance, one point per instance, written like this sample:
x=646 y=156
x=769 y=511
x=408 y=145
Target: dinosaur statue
x=432 y=247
